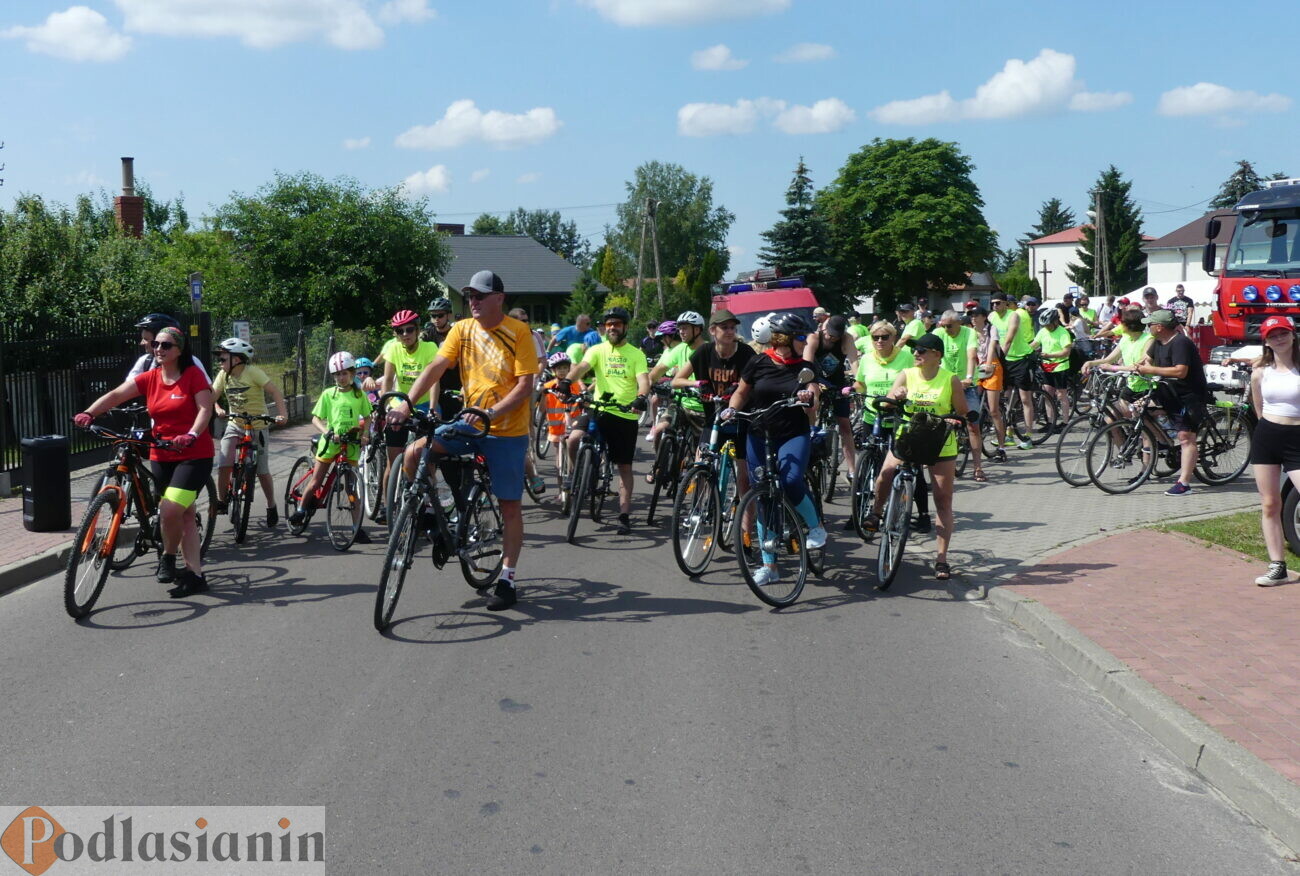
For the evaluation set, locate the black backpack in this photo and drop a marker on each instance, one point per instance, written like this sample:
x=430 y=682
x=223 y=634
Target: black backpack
x=921 y=440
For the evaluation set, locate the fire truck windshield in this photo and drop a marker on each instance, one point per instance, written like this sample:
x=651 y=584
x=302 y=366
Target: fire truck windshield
x=1268 y=246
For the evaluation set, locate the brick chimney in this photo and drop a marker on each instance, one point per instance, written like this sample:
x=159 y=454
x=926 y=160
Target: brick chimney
x=129 y=207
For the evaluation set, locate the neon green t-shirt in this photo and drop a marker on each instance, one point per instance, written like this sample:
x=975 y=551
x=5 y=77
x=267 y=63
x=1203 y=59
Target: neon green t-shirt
x=914 y=329
x=342 y=410
x=1055 y=341
x=614 y=371
x=407 y=364
x=859 y=330
x=1131 y=351
x=1089 y=314
x=675 y=359
x=955 y=347
x=1018 y=347
x=877 y=377
x=576 y=352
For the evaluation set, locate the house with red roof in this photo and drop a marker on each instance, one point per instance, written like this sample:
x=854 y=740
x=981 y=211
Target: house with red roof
x=1057 y=253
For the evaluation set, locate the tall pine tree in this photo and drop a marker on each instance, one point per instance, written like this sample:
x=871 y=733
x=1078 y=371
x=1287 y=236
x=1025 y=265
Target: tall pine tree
x=799 y=244
x=1123 y=225
x=1243 y=181
x=1053 y=217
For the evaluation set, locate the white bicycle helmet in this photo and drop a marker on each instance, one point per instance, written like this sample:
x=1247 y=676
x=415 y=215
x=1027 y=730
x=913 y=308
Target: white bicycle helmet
x=342 y=361
x=761 y=330
x=690 y=317
x=238 y=346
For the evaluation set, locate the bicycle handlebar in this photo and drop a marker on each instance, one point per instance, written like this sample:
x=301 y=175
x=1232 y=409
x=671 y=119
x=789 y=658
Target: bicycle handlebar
x=427 y=421
x=145 y=438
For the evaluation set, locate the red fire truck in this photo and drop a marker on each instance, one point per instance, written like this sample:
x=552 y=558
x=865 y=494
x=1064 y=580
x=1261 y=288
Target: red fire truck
x=754 y=298
x=1261 y=273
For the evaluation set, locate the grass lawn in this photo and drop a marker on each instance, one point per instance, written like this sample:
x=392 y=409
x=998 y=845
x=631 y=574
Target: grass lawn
x=1239 y=532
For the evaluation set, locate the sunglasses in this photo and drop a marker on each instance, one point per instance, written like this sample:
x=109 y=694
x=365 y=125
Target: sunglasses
x=479 y=296
x=406 y=329
x=881 y=337
x=441 y=315
x=163 y=345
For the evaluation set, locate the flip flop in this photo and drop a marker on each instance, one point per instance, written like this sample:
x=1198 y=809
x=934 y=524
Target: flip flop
x=942 y=571
x=980 y=477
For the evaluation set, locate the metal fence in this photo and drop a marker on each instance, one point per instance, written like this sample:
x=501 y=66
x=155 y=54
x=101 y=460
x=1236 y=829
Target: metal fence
x=280 y=348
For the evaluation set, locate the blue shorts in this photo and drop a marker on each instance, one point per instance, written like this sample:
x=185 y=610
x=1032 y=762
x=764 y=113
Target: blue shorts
x=505 y=461
x=974 y=400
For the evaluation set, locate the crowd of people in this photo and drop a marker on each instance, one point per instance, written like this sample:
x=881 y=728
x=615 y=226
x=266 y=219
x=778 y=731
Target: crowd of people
x=952 y=364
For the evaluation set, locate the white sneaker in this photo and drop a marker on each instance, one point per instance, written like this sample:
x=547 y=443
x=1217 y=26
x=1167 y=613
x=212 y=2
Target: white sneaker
x=817 y=537
x=765 y=575
x=1026 y=445
x=1275 y=575
x=649 y=439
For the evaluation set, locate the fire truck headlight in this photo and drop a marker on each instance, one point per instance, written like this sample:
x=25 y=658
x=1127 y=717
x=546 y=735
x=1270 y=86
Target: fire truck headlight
x=1250 y=293
x=1273 y=293
x=1293 y=294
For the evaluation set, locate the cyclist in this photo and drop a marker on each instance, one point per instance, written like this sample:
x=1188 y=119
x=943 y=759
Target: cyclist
x=179 y=399
x=931 y=387
x=766 y=379
x=1015 y=331
x=1054 y=343
x=561 y=409
x=405 y=357
x=498 y=367
x=571 y=334
x=246 y=387
x=960 y=356
x=832 y=348
x=1183 y=393
x=341 y=409
x=149 y=326
x=910 y=325
x=365 y=377
x=989 y=363
x=619 y=371
x=449 y=402
x=690 y=327
x=1275 y=393
x=667 y=333
x=1132 y=348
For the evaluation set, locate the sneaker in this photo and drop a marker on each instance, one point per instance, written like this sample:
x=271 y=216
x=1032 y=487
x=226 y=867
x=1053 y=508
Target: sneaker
x=503 y=596
x=624 y=525
x=1275 y=575
x=380 y=515
x=1025 y=445
x=871 y=523
x=765 y=575
x=816 y=538
x=297 y=519
x=221 y=506
x=166 y=569
x=272 y=517
x=649 y=439
x=363 y=537
x=1178 y=489
x=187 y=583
x=538 y=484
x=922 y=524
x=1009 y=442
x=1000 y=456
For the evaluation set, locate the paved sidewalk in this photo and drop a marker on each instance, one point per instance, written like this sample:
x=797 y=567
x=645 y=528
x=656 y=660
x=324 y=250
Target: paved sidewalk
x=27 y=556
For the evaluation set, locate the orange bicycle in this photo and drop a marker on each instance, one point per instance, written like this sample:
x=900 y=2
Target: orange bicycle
x=243 y=476
x=338 y=494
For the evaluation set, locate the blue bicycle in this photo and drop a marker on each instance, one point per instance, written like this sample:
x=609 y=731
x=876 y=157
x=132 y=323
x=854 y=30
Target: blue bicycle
x=706 y=504
x=593 y=473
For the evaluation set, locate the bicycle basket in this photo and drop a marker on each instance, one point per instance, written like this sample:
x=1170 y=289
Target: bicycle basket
x=921 y=439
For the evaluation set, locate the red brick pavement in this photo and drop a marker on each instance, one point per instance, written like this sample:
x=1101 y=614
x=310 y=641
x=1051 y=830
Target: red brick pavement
x=1188 y=618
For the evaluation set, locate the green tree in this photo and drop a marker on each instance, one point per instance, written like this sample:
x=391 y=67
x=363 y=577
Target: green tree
x=1015 y=280
x=613 y=269
x=584 y=299
x=486 y=223
x=1053 y=217
x=799 y=244
x=333 y=250
x=549 y=228
x=689 y=223
x=1243 y=181
x=907 y=218
x=1123 y=225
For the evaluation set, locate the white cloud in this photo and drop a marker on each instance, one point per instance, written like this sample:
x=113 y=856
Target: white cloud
x=1207 y=99
x=401 y=11
x=479 y=175
x=717 y=57
x=530 y=177
x=356 y=143
x=823 y=117
x=465 y=123
x=1043 y=84
x=78 y=34
x=260 y=24
x=805 y=53
x=652 y=13
x=435 y=180
x=84 y=178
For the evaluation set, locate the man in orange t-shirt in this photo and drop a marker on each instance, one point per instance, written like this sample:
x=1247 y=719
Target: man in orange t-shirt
x=498 y=365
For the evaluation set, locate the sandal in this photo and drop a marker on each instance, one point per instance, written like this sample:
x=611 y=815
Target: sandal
x=942 y=571
x=980 y=477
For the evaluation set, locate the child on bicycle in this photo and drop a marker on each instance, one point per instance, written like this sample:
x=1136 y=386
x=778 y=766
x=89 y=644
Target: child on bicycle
x=560 y=412
x=340 y=410
x=245 y=387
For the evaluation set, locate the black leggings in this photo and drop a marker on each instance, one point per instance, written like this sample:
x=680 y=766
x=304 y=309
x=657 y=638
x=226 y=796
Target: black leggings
x=922 y=494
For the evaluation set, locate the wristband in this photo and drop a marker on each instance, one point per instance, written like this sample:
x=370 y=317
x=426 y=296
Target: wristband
x=192 y=434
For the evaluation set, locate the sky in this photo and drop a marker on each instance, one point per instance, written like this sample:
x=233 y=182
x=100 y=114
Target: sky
x=487 y=106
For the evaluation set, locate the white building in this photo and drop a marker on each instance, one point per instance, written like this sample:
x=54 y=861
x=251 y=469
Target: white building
x=1057 y=253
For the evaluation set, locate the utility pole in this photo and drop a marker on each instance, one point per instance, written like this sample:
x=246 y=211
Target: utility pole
x=648 y=221
x=1100 y=249
x=652 y=207
x=640 y=260
x=1045 y=272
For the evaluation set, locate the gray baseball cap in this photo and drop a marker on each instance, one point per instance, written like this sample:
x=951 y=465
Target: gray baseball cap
x=484 y=281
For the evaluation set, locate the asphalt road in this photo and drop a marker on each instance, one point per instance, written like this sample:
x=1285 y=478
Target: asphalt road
x=621 y=719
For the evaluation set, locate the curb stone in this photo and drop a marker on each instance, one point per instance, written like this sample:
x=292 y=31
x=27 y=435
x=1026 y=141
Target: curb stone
x=1259 y=790
x=17 y=575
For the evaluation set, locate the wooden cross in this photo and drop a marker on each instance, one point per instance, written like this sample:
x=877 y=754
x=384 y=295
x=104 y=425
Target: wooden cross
x=1045 y=272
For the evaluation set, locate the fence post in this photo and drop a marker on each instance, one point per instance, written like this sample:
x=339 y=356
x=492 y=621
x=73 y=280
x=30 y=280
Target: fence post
x=302 y=366
x=6 y=411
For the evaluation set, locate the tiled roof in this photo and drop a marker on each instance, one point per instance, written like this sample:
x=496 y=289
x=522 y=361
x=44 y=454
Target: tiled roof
x=524 y=265
x=1193 y=233
x=1069 y=235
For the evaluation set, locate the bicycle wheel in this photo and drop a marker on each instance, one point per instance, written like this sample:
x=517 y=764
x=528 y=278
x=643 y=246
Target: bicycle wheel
x=894 y=528
x=816 y=556
x=294 y=488
x=775 y=565
x=864 y=486
x=601 y=485
x=963 y=451
x=541 y=446
x=729 y=498
x=88 y=561
x=696 y=522
x=1072 y=446
x=128 y=536
x=393 y=489
x=479 y=534
x=343 y=513
x=988 y=434
x=662 y=471
x=373 y=462
x=1223 y=444
x=533 y=493
x=205 y=518
x=582 y=485
x=398 y=559
x=831 y=466
x=1120 y=456
x=243 y=484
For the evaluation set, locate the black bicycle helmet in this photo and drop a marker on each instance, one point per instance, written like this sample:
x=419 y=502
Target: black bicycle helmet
x=617 y=313
x=155 y=322
x=789 y=324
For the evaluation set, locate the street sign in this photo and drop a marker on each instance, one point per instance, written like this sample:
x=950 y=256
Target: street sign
x=243 y=330
x=196 y=287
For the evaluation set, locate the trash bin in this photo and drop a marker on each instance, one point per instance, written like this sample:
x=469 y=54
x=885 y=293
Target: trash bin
x=47 y=487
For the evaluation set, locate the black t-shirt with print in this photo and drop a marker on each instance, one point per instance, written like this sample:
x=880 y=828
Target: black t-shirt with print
x=1180 y=305
x=771 y=381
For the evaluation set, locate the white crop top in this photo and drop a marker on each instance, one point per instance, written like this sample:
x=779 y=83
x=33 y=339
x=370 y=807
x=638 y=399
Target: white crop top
x=1280 y=391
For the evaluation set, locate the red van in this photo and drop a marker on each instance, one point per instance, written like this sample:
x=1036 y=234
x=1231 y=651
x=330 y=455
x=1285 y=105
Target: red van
x=749 y=301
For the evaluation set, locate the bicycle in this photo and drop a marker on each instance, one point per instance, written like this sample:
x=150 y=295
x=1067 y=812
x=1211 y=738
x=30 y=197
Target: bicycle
x=337 y=493
x=130 y=491
x=243 y=475
x=706 y=503
x=872 y=449
x=1046 y=409
x=373 y=462
x=477 y=538
x=593 y=473
x=671 y=456
x=563 y=465
x=1104 y=393
x=827 y=472
x=1224 y=439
